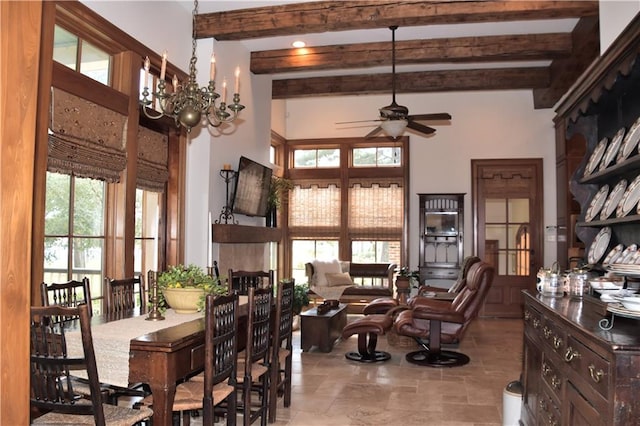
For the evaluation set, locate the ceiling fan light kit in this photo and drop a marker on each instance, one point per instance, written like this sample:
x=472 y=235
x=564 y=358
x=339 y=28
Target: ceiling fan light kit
x=394 y=128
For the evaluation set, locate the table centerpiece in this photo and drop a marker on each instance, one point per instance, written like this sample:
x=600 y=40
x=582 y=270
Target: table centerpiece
x=183 y=288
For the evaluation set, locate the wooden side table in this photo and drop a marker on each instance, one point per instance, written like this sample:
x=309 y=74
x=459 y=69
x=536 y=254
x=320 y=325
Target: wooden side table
x=322 y=330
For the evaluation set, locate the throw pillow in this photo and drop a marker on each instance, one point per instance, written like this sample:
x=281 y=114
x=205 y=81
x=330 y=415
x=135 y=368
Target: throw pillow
x=321 y=268
x=334 y=279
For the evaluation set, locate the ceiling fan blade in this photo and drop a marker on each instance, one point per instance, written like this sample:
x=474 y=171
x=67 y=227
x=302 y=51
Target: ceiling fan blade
x=359 y=121
x=373 y=132
x=435 y=116
x=421 y=128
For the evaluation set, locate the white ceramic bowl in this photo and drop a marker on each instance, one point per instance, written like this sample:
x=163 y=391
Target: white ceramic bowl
x=605 y=285
x=631 y=303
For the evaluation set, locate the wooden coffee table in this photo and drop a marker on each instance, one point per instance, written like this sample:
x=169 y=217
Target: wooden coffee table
x=322 y=330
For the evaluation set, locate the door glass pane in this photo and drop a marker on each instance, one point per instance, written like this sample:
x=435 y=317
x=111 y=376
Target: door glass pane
x=497 y=233
x=495 y=210
x=56 y=255
x=518 y=210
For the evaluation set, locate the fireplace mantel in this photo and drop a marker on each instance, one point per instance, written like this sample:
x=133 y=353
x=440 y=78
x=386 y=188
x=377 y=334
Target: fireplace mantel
x=231 y=234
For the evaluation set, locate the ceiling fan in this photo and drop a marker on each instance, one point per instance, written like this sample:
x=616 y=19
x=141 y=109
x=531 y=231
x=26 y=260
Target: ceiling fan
x=395 y=118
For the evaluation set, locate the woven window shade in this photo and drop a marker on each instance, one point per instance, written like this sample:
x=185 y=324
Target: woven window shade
x=85 y=139
x=153 y=152
x=376 y=209
x=315 y=207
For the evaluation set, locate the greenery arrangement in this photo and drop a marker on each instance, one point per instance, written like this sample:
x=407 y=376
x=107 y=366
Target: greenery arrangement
x=279 y=186
x=190 y=276
x=412 y=275
x=300 y=297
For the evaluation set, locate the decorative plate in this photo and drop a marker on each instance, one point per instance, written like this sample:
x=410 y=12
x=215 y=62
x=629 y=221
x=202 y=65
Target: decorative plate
x=630 y=141
x=595 y=157
x=630 y=198
x=612 y=149
x=596 y=203
x=599 y=245
x=627 y=254
x=614 y=199
x=613 y=255
x=618 y=309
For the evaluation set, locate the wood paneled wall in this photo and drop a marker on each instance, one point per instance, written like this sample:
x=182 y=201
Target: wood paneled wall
x=20 y=24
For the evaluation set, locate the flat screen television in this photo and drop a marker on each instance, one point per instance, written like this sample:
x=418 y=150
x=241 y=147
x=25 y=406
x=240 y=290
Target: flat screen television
x=252 y=188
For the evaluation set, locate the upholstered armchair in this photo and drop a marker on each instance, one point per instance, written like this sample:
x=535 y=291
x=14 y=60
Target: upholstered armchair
x=440 y=321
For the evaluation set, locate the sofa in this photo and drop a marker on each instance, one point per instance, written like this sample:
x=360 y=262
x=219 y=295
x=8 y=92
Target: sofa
x=369 y=281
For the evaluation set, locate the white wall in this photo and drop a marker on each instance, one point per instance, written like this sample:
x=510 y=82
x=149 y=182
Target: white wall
x=501 y=124
x=614 y=17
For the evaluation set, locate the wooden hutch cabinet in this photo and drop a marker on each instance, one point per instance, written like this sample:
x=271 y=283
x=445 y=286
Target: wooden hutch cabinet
x=441 y=236
x=576 y=373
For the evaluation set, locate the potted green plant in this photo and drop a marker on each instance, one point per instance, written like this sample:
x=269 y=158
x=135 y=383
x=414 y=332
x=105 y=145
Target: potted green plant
x=405 y=274
x=277 y=190
x=183 y=288
x=300 y=300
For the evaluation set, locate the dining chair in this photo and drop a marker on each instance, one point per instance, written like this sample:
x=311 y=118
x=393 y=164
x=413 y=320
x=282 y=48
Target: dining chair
x=68 y=294
x=240 y=281
x=52 y=386
x=253 y=367
x=125 y=294
x=217 y=384
x=282 y=348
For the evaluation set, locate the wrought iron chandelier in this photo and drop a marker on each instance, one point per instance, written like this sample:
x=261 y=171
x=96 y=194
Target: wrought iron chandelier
x=188 y=102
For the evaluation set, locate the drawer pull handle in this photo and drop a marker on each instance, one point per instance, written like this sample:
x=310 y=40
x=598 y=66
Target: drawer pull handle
x=555 y=382
x=536 y=323
x=570 y=354
x=596 y=376
x=543 y=405
x=547 y=332
x=552 y=421
x=557 y=342
x=527 y=315
x=545 y=369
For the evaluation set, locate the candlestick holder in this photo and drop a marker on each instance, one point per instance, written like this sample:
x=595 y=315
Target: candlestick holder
x=154 y=314
x=227 y=215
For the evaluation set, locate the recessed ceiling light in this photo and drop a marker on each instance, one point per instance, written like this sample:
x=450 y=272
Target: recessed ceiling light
x=298 y=44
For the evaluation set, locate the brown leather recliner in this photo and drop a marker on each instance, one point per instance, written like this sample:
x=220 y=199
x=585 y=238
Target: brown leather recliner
x=384 y=305
x=443 y=321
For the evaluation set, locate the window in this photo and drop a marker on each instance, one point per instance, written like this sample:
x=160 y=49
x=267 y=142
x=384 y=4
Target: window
x=148 y=208
x=354 y=210
x=317 y=158
x=81 y=56
x=376 y=157
x=74 y=231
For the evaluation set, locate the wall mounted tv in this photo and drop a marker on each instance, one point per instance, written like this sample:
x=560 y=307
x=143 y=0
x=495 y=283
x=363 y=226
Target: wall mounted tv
x=252 y=188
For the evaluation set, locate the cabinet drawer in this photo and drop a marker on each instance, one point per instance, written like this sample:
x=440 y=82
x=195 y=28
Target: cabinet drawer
x=552 y=376
x=532 y=318
x=554 y=337
x=447 y=274
x=591 y=367
x=548 y=412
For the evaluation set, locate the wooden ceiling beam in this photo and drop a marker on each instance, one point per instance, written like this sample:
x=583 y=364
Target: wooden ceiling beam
x=430 y=81
x=322 y=16
x=565 y=71
x=446 y=50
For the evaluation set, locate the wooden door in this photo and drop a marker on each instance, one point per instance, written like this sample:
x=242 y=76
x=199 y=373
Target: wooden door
x=508 y=228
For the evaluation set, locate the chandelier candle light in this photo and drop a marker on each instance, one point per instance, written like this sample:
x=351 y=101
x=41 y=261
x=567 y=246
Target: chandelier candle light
x=188 y=102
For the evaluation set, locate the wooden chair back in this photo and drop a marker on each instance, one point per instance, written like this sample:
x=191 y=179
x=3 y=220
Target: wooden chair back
x=69 y=294
x=125 y=294
x=240 y=281
x=259 y=325
x=221 y=353
x=282 y=347
x=51 y=383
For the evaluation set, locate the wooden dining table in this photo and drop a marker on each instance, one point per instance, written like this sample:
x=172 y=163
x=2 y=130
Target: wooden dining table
x=159 y=358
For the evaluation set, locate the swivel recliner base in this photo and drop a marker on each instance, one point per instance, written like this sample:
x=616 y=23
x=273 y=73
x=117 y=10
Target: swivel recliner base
x=437 y=359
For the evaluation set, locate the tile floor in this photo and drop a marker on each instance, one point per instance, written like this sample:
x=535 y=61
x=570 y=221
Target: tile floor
x=330 y=390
